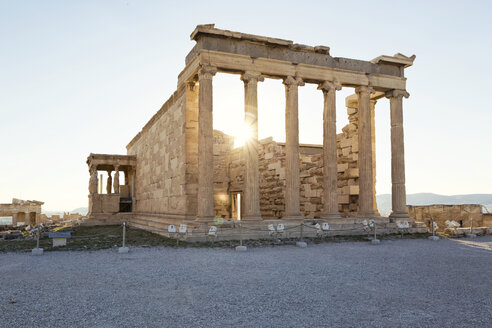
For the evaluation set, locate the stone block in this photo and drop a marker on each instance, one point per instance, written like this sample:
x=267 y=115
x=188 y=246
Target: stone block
x=351 y=111
x=353 y=173
x=346 y=143
x=343 y=199
x=342 y=167
x=353 y=190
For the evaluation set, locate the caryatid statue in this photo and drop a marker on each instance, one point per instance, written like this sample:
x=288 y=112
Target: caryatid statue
x=108 y=183
x=93 y=181
x=116 y=181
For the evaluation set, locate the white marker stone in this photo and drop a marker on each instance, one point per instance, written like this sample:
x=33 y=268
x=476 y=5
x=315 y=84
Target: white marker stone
x=37 y=251
x=123 y=250
x=241 y=248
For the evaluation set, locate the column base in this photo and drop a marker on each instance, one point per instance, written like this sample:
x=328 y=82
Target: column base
x=293 y=217
x=394 y=216
x=331 y=216
x=252 y=218
x=368 y=215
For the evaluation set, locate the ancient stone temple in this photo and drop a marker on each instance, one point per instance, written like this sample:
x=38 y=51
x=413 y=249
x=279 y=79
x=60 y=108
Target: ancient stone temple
x=177 y=169
x=27 y=212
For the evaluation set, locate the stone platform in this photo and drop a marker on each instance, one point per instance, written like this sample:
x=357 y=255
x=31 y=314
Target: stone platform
x=254 y=230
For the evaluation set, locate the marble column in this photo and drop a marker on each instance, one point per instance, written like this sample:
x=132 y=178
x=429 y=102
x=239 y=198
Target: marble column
x=109 y=183
x=292 y=208
x=373 y=141
x=330 y=196
x=251 y=210
x=14 y=219
x=366 y=198
x=398 y=192
x=205 y=210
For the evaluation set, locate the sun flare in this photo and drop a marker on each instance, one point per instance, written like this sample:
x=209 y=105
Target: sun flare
x=243 y=133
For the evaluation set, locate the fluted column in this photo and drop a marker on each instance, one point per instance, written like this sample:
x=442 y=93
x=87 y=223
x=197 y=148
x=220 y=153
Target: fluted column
x=398 y=194
x=205 y=210
x=330 y=197
x=250 y=148
x=292 y=208
x=366 y=198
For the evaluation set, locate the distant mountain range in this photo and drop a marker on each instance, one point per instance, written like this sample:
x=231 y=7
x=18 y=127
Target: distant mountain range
x=80 y=210
x=384 y=200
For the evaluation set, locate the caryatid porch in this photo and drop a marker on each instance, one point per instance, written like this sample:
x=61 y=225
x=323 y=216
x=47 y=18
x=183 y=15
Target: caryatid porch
x=255 y=58
x=118 y=198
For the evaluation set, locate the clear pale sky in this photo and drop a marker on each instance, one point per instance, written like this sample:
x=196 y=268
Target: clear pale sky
x=85 y=76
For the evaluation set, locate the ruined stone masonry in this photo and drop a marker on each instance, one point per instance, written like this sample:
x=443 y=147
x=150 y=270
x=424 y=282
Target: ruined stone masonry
x=25 y=211
x=177 y=169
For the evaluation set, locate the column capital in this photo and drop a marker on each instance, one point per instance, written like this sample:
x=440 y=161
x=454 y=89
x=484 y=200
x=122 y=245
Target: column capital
x=206 y=72
x=293 y=80
x=328 y=85
x=395 y=93
x=252 y=77
x=364 y=89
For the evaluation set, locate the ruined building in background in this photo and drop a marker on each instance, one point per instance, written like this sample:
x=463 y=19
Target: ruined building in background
x=27 y=212
x=178 y=170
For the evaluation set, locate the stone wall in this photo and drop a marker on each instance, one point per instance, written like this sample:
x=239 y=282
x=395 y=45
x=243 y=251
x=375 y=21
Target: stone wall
x=160 y=149
x=460 y=213
x=223 y=152
x=348 y=155
x=229 y=178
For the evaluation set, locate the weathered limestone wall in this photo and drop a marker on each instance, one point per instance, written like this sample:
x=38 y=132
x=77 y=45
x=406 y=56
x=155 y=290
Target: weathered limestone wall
x=27 y=211
x=487 y=219
x=460 y=213
x=161 y=156
x=223 y=152
x=229 y=178
x=348 y=155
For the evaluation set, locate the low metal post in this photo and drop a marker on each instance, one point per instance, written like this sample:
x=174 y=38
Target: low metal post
x=37 y=238
x=241 y=248
x=240 y=234
x=123 y=249
x=124 y=233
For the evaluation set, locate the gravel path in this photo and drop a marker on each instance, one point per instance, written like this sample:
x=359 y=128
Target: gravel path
x=403 y=283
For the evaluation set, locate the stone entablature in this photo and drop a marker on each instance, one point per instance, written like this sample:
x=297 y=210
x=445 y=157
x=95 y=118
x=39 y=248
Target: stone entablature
x=27 y=211
x=209 y=38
